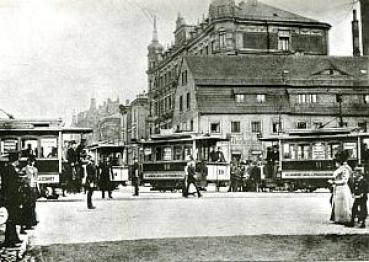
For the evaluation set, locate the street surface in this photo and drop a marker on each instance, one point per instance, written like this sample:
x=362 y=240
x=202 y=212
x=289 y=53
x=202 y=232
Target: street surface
x=155 y=215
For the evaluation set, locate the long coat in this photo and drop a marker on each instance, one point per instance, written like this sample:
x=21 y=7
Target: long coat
x=106 y=176
x=10 y=190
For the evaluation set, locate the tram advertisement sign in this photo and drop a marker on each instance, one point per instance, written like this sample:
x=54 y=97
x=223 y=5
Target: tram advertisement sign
x=48 y=179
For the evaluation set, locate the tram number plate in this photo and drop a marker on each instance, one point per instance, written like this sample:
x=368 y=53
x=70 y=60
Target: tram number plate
x=48 y=179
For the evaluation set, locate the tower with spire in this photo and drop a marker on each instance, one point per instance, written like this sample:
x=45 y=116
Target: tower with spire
x=155 y=48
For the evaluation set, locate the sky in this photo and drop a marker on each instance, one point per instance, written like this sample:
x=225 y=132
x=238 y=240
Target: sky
x=58 y=54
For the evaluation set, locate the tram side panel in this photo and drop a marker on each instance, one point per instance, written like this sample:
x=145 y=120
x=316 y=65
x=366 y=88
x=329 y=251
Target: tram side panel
x=164 y=175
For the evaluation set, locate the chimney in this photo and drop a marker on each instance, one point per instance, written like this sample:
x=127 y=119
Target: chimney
x=355 y=35
x=364 y=10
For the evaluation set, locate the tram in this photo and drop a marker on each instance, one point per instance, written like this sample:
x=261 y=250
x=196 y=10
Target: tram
x=45 y=139
x=306 y=157
x=115 y=153
x=165 y=159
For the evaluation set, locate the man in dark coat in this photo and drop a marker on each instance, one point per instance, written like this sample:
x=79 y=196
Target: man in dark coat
x=106 y=176
x=191 y=177
x=10 y=186
x=359 y=191
x=136 y=177
x=91 y=180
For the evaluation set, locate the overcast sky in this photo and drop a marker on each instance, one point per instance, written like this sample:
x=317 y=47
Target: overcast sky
x=57 y=54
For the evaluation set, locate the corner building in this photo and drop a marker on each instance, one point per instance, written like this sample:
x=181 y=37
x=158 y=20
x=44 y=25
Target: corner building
x=253 y=70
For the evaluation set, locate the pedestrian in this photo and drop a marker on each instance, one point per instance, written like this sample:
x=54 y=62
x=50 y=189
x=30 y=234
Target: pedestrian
x=191 y=177
x=214 y=156
x=10 y=186
x=360 y=190
x=136 y=176
x=255 y=176
x=31 y=192
x=342 y=199
x=105 y=178
x=221 y=157
x=91 y=180
x=235 y=175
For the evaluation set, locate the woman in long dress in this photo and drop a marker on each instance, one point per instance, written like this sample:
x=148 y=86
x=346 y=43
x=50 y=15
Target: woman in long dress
x=342 y=199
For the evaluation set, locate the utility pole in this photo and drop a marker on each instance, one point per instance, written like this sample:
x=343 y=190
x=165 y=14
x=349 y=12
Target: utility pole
x=364 y=10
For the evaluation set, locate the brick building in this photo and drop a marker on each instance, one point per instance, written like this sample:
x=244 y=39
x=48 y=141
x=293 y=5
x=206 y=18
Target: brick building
x=251 y=70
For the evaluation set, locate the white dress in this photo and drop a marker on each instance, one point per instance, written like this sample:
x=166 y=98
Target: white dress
x=342 y=199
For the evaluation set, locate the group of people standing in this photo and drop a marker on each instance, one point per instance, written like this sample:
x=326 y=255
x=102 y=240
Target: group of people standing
x=349 y=193
x=19 y=193
x=245 y=177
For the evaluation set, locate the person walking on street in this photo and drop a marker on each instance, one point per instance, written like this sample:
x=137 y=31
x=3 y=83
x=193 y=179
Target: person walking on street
x=31 y=194
x=136 y=177
x=10 y=186
x=106 y=177
x=190 y=170
x=91 y=180
x=360 y=190
x=235 y=175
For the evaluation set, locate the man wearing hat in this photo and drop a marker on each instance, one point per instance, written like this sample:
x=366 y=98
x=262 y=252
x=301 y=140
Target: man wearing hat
x=359 y=191
x=91 y=180
x=9 y=188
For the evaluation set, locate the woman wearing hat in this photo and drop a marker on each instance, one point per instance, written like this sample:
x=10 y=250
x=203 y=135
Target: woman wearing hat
x=342 y=200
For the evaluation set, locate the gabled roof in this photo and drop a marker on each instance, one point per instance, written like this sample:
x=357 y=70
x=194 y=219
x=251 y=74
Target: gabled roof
x=261 y=11
x=278 y=69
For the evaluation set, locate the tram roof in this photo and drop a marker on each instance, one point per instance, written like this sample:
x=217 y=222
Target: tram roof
x=105 y=146
x=45 y=130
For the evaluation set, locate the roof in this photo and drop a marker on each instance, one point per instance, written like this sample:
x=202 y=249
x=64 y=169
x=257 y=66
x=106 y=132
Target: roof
x=261 y=11
x=278 y=69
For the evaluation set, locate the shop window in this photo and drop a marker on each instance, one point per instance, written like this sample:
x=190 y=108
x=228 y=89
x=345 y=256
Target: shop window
x=235 y=127
x=215 y=128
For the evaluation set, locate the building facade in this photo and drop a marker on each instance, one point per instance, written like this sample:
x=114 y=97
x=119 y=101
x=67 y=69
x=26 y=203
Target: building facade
x=252 y=70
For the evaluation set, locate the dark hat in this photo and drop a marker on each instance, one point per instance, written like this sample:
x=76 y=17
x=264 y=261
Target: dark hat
x=13 y=156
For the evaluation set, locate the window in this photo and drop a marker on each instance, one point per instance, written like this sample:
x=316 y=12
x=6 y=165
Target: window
x=301 y=125
x=184 y=77
x=303 y=152
x=235 y=127
x=222 y=39
x=240 y=98
x=339 y=98
x=362 y=126
x=307 y=98
x=213 y=47
x=215 y=128
x=191 y=125
x=260 y=98
x=180 y=104
x=7 y=145
x=206 y=50
x=256 y=127
x=277 y=127
x=284 y=43
x=188 y=101
x=49 y=147
x=366 y=99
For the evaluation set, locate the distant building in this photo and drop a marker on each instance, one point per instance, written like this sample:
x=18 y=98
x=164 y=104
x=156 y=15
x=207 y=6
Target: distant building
x=105 y=120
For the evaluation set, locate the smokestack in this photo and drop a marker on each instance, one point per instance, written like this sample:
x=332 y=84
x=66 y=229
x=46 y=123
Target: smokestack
x=355 y=35
x=364 y=10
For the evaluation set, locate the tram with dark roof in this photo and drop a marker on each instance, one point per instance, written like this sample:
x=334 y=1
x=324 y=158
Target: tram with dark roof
x=166 y=156
x=307 y=157
x=45 y=140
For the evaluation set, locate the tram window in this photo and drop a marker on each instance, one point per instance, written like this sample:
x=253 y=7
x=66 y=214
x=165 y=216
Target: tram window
x=178 y=153
x=7 y=145
x=158 y=153
x=303 y=152
x=167 y=154
x=318 y=152
x=29 y=148
x=187 y=151
x=289 y=151
x=148 y=154
x=332 y=150
x=352 y=148
x=49 y=147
